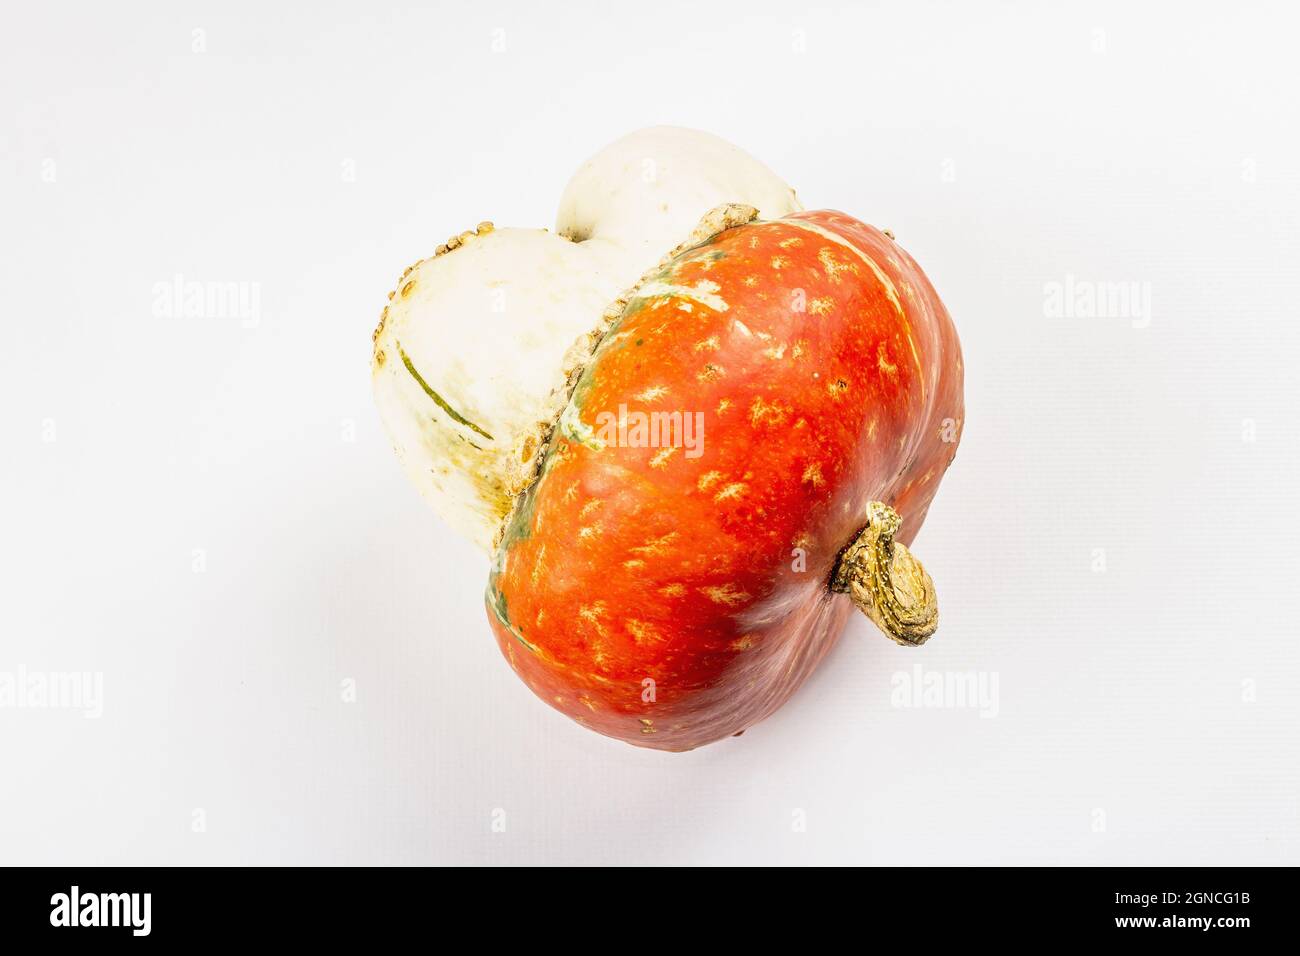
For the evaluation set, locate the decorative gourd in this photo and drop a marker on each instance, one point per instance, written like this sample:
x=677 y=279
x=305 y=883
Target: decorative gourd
x=688 y=485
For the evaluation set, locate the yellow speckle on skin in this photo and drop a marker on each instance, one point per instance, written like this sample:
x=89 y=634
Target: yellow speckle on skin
x=927 y=476
x=587 y=702
x=724 y=405
x=685 y=307
x=779 y=262
x=537 y=565
x=711 y=343
x=660 y=459
x=871 y=429
x=799 y=348
x=742 y=643
x=642 y=632
x=837 y=388
x=727 y=594
x=592 y=614
x=791 y=243
x=822 y=305
x=886 y=366
x=592 y=530
x=813 y=474
x=708 y=480
x=710 y=373
x=650 y=394
x=833 y=266
x=587 y=509
x=541 y=616
x=751 y=281
x=656 y=545
x=672 y=590
x=633 y=564
x=648 y=726
x=776 y=352
x=733 y=490
x=767 y=413
x=571 y=492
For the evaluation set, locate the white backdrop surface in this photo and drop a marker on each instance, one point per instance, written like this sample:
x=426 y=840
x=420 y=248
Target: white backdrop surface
x=204 y=511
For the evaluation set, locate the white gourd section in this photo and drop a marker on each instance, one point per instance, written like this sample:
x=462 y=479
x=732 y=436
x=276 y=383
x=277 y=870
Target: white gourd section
x=473 y=351
x=646 y=191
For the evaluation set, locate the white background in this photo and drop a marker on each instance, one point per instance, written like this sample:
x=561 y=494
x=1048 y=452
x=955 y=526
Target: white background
x=1147 y=712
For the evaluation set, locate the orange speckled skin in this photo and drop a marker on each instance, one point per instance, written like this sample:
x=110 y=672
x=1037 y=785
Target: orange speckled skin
x=829 y=375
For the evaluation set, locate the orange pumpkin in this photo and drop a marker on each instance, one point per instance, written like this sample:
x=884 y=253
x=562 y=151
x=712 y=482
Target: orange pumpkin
x=754 y=441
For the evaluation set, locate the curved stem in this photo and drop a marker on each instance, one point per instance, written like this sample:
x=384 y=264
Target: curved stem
x=886 y=582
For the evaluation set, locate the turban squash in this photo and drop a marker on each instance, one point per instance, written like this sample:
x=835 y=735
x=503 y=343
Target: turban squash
x=687 y=476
